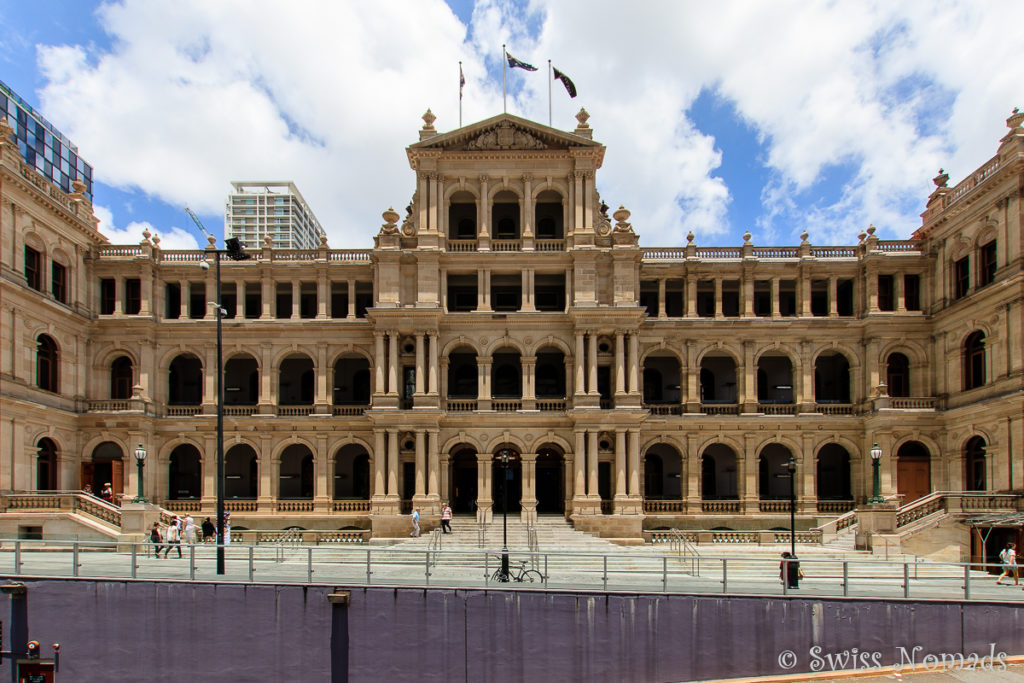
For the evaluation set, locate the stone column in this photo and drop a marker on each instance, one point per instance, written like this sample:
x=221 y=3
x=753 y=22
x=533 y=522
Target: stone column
x=482 y=214
x=718 y=297
x=620 y=465
x=420 y=367
x=579 y=489
x=634 y=464
x=321 y=475
x=432 y=465
x=323 y=295
x=529 y=368
x=592 y=363
x=322 y=400
x=634 y=365
x=380 y=363
x=833 y=296
x=351 y=313
x=620 y=364
x=392 y=471
x=580 y=365
x=296 y=299
x=484 y=465
x=592 y=491
x=445 y=477
x=393 y=363
x=776 y=311
x=432 y=354
x=421 y=469
x=691 y=296
x=528 y=502
x=527 y=285
x=661 y=297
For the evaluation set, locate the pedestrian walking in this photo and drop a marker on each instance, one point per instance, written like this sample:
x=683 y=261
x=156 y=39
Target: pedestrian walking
x=1008 y=558
x=415 y=523
x=190 y=530
x=446 y=519
x=209 y=531
x=154 y=537
x=789 y=571
x=173 y=540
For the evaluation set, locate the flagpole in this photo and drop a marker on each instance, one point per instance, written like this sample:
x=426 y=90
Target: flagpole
x=549 y=92
x=504 y=88
x=460 y=94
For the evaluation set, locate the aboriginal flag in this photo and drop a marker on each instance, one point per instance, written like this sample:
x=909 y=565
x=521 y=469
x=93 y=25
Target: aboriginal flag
x=514 y=63
x=570 y=87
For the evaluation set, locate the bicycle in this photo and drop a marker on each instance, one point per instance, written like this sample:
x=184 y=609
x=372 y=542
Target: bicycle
x=520 y=574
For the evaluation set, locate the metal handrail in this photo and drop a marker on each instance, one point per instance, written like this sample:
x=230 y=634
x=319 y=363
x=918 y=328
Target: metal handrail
x=395 y=566
x=686 y=550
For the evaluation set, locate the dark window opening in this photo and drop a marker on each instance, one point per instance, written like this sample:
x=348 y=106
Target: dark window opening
x=844 y=298
x=731 y=298
x=462 y=292
x=506 y=292
x=763 y=298
x=132 y=296
x=229 y=299
x=283 y=300
x=33 y=269
x=197 y=300
x=59 y=282
x=549 y=220
x=307 y=300
x=886 y=294
x=674 y=298
x=961 y=277
x=172 y=301
x=819 y=297
x=339 y=299
x=706 y=298
x=974 y=360
x=987 y=264
x=787 y=298
x=505 y=218
x=108 y=296
x=462 y=221
x=549 y=292
x=897 y=376
x=912 y=292
x=253 y=300
x=364 y=298
x=47 y=364
x=121 y=378
x=649 y=296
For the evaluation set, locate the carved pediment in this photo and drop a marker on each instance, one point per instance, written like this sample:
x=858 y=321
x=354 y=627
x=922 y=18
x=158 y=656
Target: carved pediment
x=505 y=136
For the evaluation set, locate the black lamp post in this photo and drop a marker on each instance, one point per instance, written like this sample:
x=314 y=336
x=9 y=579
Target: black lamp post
x=791 y=468
x=234 y=252
x=876 y=457
x=140 y=460
x=504 y=458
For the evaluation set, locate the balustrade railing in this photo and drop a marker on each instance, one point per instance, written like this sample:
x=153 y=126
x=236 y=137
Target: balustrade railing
x=294 y=411
x=460 y=405
x=551 y=406
x=912 y=402
x=236 y=505
x=506 y=406
x=773 y=506
x=664 y=408
x=655 y=507
x=294 y=506
x=183 y=411
x=836 y=408
x=777 y=408
x=461 y=245
x=239 y=411
x=349 y=411
x=720 y=409
x=506 y=245
x=550 y=245
x=183 y=505
x=357 y=506
x=835 y=507
x=720 y=506
x=108 y=405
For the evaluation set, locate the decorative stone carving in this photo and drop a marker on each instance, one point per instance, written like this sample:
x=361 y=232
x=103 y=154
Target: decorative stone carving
x=428 y=120
x=621 y=215
x=505 y=136
x=582 y=117
x=1016 y=119
x=941 y=180
x=390 y=217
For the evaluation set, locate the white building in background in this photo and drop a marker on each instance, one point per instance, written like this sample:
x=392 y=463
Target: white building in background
x=256 y=209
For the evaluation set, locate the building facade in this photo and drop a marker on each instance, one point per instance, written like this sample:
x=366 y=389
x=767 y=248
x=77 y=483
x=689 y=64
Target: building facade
x=507 y=313
x=258 y=210
x=42 y=146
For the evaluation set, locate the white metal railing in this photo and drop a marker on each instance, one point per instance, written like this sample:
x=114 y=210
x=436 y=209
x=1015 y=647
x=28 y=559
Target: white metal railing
x=364 y=565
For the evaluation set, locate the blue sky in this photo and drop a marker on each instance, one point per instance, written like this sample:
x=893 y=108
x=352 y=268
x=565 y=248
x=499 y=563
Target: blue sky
x=719 y=118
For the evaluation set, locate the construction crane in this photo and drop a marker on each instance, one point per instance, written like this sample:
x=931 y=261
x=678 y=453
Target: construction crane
x=231 y=244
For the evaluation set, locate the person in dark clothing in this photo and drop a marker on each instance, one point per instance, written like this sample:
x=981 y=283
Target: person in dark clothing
x=209 y=531
x=789 y=570
x=154 y=536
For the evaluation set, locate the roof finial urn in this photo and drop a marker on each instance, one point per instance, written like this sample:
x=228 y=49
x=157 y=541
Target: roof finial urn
x=390 y=221
x=942 y=179
x=1016 y=119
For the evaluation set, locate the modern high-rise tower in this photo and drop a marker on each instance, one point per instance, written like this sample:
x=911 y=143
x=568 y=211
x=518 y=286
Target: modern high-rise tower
x=256 y=209
x=42 y=146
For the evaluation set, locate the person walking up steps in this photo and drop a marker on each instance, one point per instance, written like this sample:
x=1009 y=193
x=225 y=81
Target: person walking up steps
x=446 y=519
x=415 y=523
x=1008 y=558
x=173 y=540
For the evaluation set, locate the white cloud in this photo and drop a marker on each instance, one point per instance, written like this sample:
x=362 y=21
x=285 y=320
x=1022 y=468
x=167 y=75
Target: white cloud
x=133 y=232
x=195 y=94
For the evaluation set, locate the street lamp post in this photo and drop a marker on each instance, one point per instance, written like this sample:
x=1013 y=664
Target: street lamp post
x=504 y=514
x=140 y=460
x=791 y=467
x=876 y=457
x=234 y=252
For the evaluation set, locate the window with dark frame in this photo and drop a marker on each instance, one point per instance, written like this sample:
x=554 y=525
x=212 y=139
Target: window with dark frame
x=47 y=377
x=961 y=277
x=886 y=300
x=59 y=282
x=987 y=264
x=108 y=296
x=132 y=296
x=912 y=292
x=974 y=360
x=33 y=269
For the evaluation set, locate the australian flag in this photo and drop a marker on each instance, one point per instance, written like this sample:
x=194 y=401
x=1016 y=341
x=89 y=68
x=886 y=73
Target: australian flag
x=570 y=87
x=514 y=63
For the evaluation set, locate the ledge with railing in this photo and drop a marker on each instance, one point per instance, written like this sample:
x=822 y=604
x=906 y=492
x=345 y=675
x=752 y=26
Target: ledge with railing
x=958 y=502
x=61 y=501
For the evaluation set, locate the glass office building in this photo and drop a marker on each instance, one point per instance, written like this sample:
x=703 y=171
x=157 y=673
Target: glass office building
x=42 y=145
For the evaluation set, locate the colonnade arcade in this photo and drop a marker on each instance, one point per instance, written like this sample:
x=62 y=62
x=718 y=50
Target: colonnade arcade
x=614 y=475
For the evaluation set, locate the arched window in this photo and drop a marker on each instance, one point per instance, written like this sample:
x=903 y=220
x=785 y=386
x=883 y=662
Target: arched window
x=975 y=478
x=897 y=375
x=184 y=473
x=974 y=360
x=121 y=378
x=47 y=364
x=46 y=466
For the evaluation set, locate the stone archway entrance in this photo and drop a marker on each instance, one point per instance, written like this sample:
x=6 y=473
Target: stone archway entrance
x=510 y=477
x=463 y=488
x=550 y=489
x=107 y=467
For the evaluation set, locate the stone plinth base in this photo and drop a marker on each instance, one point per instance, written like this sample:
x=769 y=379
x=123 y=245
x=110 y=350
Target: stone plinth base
x=617 y=527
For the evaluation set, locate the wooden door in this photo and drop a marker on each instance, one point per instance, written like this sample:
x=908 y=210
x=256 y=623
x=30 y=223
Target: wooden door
x=117 y=479
x=913 y=478
x=88 y=477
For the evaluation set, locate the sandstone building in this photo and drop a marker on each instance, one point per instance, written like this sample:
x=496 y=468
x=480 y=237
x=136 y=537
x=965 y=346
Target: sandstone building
x=509 y=310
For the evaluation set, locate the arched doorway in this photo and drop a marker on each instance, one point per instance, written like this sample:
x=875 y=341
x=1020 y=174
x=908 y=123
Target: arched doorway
x=774 y=481
x=833 y=475
x=663 y=472
x=510 y=477
x=718 y=473
x=46 y=465
x=107 y=467
x=549 y=487
x=184 y=473
x=463 y=487
x=913 y=471
x=352 y=473
x=295 y=476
